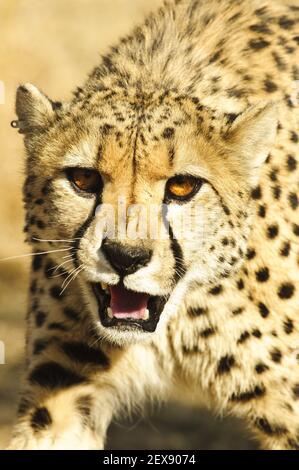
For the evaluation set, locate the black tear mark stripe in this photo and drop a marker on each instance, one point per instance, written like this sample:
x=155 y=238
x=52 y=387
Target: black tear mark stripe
x=81 y=231
x=224 y=206
x=84 y=354
x=180 y=268
x=53 y=376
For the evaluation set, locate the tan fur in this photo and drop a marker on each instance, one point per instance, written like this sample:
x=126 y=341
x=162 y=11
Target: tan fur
x=219 y=75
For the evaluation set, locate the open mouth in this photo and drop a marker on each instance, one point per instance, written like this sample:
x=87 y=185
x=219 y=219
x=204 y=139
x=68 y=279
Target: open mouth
x=127 y=309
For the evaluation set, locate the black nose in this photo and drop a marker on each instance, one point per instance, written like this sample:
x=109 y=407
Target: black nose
x=125 y=259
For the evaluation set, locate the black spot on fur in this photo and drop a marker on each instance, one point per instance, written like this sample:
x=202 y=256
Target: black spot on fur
x=286 y=290
x=288 y=326
x=262 y=275
x=293 y=200
x=84 y=407
x=55 y=292
x=272 y=231
x=54 y=376
x=262 y=211
x=225 y=364
x=276 y=190
x=256 y=333
x=85 y=354
x=251 y=253
x=216 y=290
x=258 y=44
x=257 y=392
x=271 y=430
x=41 y=419
x=49 y=268
x=40 y=318
x=40 y=345
x=264 y=311
x=196 y=311
x=33 y=286
x=106 y=128
x=244 y=336
x=214 y=57
x=260 y=28
x=285 y=249
x=285 y=22
x=71 y=313
x=296 y=391
x=207 y=332
x=256 y=193
x=276 y=355
x=296 y=230
x=40 y=224
x=238 y=311
x=39 y=201
x=57 y=326
x=270 y=86
x=291 y=163
x=273 y=174
x=37 y=262
x=168 y=133
x=260 y=368
x=281 y=65
x=226 y=209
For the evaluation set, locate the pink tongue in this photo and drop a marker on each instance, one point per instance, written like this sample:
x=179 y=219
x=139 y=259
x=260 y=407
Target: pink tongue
x=127 y=304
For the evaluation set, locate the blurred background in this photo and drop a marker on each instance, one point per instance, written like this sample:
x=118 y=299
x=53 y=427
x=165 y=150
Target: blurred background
x=54 y=44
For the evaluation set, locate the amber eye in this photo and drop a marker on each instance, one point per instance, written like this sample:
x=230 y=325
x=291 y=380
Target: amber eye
x=85 y=179
x=182 y=187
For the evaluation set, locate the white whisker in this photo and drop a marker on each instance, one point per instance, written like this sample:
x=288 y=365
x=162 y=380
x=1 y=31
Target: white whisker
x=67 y=256
x=69 y=275
x=56 y=241
x=34 y=254
x=74 y=274
x=55 y=268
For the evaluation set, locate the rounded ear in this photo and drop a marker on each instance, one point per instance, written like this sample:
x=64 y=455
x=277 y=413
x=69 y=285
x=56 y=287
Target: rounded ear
x=35 y=110
x=253 y=135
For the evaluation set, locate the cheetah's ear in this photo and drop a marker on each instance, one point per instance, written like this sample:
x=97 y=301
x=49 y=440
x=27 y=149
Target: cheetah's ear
x=253 y=135
x=34 y=109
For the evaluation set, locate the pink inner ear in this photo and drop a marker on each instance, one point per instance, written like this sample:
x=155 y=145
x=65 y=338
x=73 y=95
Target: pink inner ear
x=127 y=304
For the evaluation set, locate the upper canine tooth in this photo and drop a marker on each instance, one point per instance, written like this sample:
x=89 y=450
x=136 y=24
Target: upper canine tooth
x=104 y=286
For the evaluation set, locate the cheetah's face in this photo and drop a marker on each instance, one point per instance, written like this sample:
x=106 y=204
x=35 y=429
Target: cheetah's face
x=155 y=197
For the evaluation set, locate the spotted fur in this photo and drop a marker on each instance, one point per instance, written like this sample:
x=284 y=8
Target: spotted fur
x=199 y=87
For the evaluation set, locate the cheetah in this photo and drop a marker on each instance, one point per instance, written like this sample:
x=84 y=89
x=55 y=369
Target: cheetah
x=194 y=113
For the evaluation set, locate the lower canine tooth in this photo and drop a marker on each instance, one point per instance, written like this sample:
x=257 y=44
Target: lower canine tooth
x=146 y=314
x=109 y=311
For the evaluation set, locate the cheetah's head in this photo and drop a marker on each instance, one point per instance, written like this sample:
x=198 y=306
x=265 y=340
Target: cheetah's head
x=154 y=191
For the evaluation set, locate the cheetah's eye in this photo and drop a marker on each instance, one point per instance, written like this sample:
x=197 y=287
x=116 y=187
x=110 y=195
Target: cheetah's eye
x=183 y=187
x=85 y=179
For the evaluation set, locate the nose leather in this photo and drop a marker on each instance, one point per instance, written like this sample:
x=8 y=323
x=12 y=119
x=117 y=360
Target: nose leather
x=125 y=259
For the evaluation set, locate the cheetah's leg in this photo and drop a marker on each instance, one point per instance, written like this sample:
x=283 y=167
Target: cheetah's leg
x=67 y=406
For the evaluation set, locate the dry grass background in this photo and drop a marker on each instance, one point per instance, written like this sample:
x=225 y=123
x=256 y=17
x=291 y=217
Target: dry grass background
x=53 y=44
